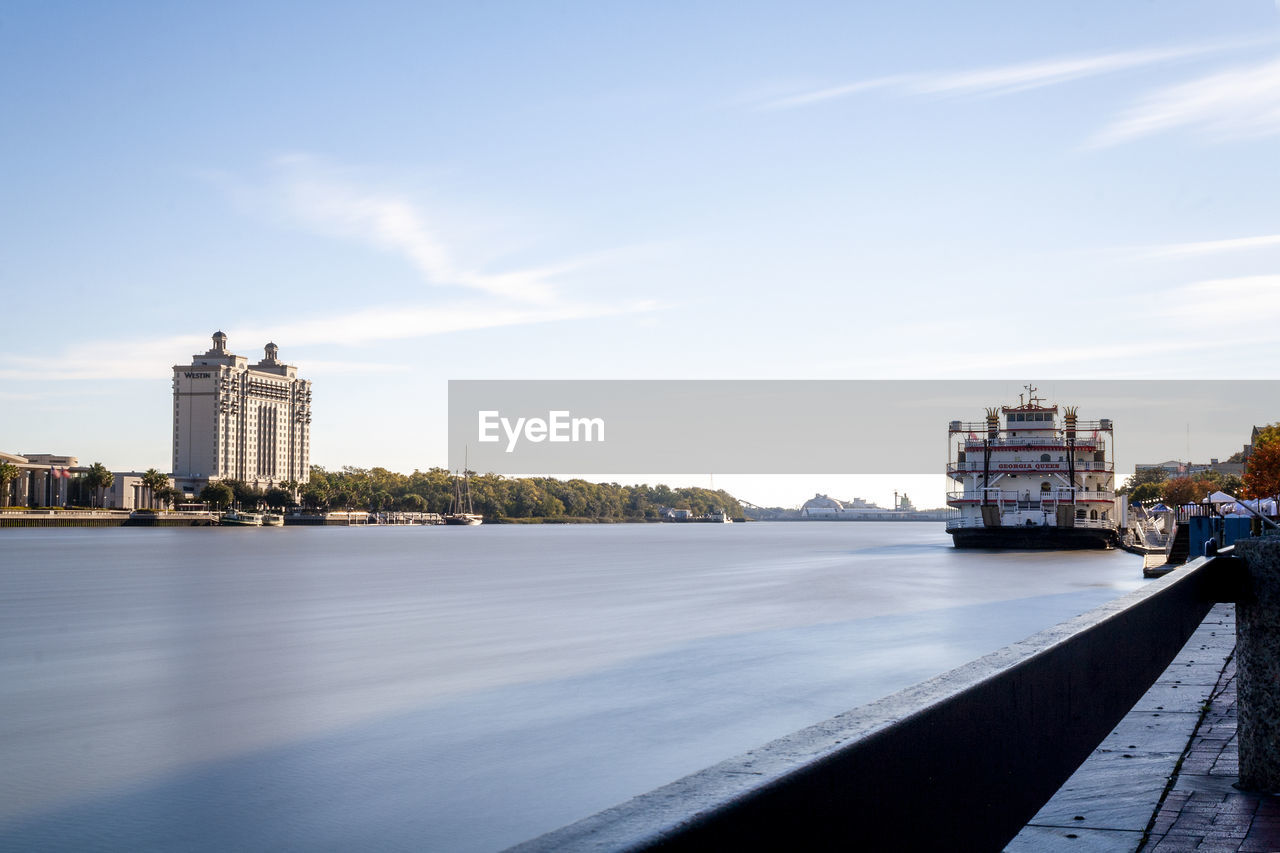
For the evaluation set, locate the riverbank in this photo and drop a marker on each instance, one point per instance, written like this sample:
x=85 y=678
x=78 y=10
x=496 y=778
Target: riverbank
x=159 y=518
x=103 y=518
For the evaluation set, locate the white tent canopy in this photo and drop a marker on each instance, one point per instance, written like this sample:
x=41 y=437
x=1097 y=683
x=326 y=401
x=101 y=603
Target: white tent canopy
x=1221 y=498
x=1265 y=507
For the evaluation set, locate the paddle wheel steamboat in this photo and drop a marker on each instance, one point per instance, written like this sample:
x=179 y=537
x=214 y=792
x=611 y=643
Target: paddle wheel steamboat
x=1028 y=476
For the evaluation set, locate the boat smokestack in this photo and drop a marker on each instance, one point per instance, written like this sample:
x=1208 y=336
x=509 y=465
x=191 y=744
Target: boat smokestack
x=993 y=423
x=1069 y=417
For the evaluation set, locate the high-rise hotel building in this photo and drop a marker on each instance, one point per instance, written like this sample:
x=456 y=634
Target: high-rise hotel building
x=240 y=421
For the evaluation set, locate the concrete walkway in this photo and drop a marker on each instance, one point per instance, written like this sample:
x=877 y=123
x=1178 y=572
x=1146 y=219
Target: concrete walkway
x=1162 y=781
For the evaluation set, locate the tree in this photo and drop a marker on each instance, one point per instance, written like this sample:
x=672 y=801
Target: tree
x=244 y=495
x=1142 y=477
x=217 y=495
x=165 y=495
x=1231 y=484
x=1145 y=492
x=1262 y=474
x=1185 y=490
x=279 y=498
x=154 y=481
x=8 y=473
x=313 y=497
x=99 y=478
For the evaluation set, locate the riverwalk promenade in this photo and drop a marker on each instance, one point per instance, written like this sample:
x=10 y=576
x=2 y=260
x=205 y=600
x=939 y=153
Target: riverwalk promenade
x=1163 y=780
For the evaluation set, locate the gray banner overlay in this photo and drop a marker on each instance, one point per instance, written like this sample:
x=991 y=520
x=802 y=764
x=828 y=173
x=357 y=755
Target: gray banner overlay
x=547 y=427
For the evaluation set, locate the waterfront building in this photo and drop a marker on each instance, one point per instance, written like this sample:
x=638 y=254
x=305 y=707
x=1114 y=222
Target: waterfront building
x=1176 y=468
x=825 y=508
x=128 y=491
x=241 y=421
x=44 y=479
x=1170 y=467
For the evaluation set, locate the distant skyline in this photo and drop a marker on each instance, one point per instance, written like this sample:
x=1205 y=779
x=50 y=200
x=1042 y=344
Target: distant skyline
x=399 y=194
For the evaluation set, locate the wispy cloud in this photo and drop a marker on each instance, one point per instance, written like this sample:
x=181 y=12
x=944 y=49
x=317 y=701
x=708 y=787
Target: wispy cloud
x=398 y=322
x=1010 y=79
x=1208 y=304
x=1208 y=247
x=832 y=93
x=1006 y=79
x=150 y=358
x=305 y=192
x=314 y=195
x=1241 y=103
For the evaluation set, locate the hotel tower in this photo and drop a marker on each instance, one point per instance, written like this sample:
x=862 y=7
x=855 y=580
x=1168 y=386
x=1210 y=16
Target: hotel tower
x=241 y=421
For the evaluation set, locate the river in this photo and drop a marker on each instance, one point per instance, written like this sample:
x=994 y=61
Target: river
x=457 y=688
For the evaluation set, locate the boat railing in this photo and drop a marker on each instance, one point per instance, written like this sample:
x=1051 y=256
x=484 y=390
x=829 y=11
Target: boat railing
x=1034 y=466
x=1010 y=497
x=1082 y=442
x=958 y=521
x=980 y=427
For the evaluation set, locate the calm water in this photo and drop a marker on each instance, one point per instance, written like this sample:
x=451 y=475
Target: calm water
x=457 y=688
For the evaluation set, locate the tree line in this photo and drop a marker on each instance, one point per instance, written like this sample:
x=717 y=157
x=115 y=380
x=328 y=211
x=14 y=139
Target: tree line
x=492 y=495
x=433 y=490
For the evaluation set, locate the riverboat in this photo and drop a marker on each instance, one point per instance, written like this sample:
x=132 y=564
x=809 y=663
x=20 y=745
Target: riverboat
x=273 y=519
x=1029 y=476
x=238 y=518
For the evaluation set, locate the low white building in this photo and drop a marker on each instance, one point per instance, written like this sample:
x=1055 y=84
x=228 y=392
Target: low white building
x=128 y=492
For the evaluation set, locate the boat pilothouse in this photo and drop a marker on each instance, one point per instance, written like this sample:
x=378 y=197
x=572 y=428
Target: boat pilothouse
x=1031 y=476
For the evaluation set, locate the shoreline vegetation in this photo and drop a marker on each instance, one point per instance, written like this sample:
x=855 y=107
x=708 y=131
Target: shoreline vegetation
x=519 y=500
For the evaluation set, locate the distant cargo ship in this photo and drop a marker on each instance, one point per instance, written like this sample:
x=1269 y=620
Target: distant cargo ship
x=1025 y=478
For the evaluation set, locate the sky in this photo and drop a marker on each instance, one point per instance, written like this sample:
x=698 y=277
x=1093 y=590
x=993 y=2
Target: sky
x=403 y=193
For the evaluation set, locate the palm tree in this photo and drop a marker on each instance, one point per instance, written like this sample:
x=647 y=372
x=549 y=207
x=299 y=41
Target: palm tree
x=8 y=473
x=165 y=495
x=154 y=481
x=99 y=478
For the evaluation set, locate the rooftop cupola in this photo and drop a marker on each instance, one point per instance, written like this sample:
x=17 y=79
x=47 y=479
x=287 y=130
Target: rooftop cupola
x=219 y=342
x=272 y=351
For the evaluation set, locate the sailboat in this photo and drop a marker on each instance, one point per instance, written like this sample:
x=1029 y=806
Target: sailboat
x=462 y=512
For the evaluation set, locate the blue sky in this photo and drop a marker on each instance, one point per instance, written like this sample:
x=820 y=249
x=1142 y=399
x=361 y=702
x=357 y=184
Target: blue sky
x=403 y=193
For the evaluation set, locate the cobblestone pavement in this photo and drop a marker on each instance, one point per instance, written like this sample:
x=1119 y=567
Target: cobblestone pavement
x=1204 y=811
x=1163 y=781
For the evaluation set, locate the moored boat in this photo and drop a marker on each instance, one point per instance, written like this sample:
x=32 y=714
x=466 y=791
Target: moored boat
x=239 y=518
x=462 y=512
x=273 y=519
x=1030 y=477
x=469 y=519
